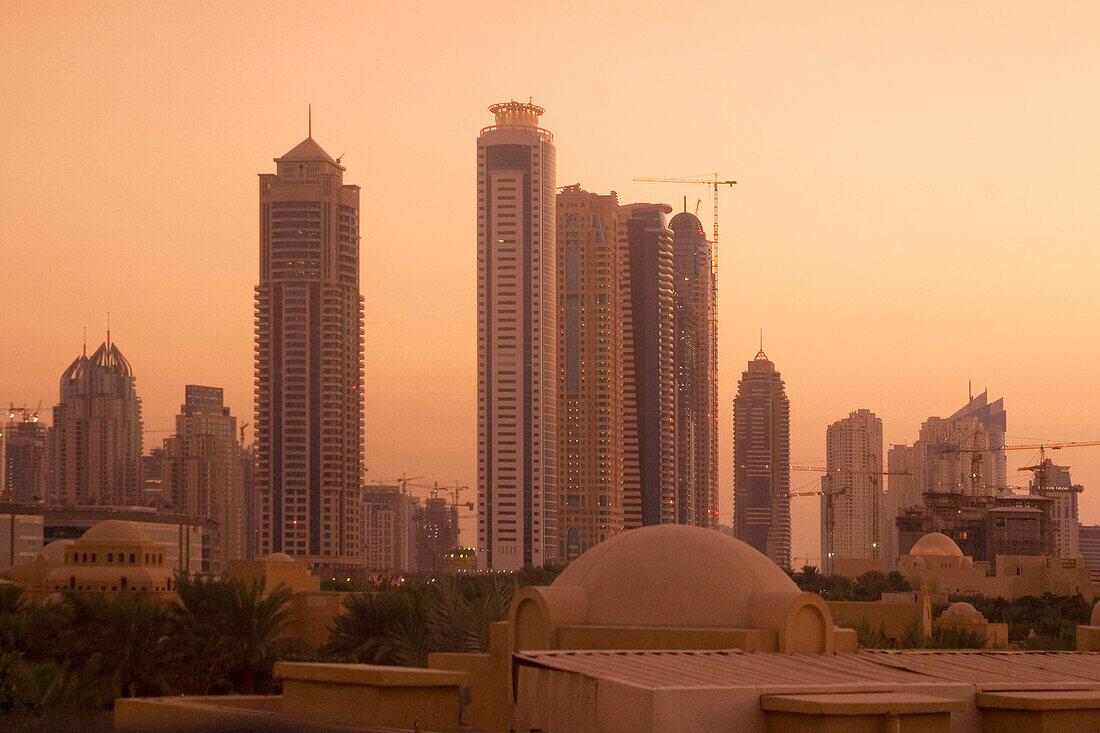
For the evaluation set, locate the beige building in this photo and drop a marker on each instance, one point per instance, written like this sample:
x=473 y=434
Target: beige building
x=936 y=565
x=201 y=472
x=389 y=530
x=590 y=443
x=624 y=641
x=517 y=341
x=853 y=481
x=112 y=556
x=309 y=361
x=649 y=384
x=95 y=446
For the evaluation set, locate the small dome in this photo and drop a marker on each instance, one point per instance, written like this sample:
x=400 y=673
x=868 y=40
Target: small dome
x=279 y=557
x=961 y=611
x=937 y=545
x=1094 y=620
x=53 y=554
x=673 y=575
x=112 y=530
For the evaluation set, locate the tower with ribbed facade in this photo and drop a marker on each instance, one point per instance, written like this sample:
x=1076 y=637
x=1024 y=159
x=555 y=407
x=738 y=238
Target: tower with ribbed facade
x=590 y=475
x=517 y=341
x=96 y=439
x=762 y=461
x=853 y=462
x=696 y=369
x=309 y=361
x=649 y=385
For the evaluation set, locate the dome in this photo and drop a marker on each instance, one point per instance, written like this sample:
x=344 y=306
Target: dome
x=115 y=530
x=937 y=545
x=279 y=557
x=961 y=611
x=673 y=575
x=53 y=554
x=1094 y=620
x=685 y=222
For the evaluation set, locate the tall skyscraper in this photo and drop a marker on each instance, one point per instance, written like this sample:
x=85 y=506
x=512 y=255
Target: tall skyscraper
x=436 y=533
x=590 y=443
x=201 y=473
x=696 y=369
x=649 y=385
x=309 y=361
x=762 y=461
x=517 y=341
x=24 y=460
x=853 y=459
x=390 y=521
x=96 y=439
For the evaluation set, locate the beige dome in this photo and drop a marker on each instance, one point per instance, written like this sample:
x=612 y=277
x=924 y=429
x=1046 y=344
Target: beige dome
x=937 y=545
x=961 y=611
x=279 y=557
x=1094 y=620
x=115 y=530
x=53 y=554
x=673 y=576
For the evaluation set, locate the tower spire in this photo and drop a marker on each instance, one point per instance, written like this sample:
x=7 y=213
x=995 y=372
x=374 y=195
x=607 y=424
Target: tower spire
x=310 y=121
x=85 y=340
x=108 y=330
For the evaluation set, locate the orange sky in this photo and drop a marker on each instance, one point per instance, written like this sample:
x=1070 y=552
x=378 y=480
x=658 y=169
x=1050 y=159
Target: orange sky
x=916 y=207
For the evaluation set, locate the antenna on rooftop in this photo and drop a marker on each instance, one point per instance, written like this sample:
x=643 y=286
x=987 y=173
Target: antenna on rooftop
x=85 y=341
x=108 y=330
x=310 y=112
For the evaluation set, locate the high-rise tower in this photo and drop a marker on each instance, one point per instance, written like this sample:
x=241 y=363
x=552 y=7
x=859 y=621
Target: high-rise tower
x=590 y=442
x=696 y=368
x=762 y=461
x=309 y=360
x=517 y=341
x=96 y=437
x=649 y=386
x=202 y=472
x=853 y=459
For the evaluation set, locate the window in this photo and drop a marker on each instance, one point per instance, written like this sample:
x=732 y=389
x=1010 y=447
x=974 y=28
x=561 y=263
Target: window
x=110 y=557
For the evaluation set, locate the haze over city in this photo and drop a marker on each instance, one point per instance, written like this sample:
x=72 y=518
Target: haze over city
x=915 y=206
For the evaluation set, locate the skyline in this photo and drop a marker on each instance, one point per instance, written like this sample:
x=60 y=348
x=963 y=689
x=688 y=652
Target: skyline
x=993 y=197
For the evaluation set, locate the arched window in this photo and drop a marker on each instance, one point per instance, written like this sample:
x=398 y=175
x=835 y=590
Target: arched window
x=93 y=557
x=132 y=558
x=110 y=557
x=122 y=582
x=84 y=557
x=72 y=582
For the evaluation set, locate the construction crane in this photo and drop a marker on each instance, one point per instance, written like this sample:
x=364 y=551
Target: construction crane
x=714 y=181
x=975 y=461
x=28 y=414
x=242 y=427
x=830 y=507
x=402 y=481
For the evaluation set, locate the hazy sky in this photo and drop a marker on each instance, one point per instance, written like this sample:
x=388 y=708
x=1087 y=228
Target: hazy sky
x=916 y=206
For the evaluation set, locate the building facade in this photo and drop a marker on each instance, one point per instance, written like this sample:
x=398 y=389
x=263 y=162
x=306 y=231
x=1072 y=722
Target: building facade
x=389 y=530
x=436 y=534
x=1055 y=483
x=24 y=460
x=762 y=461
x=517 y=341
x=201 y=472
x=309 y=361
x=696 y=372
x=853 y=483
x=590 y=446
x=649 y=385
x=95 y=450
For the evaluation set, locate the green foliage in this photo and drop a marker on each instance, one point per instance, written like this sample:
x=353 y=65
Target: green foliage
x=868 y=587
x=1036 y=622
x=913 y=637
x=404 y=625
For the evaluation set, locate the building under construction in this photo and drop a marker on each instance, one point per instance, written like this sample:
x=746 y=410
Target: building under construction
x=982 y=526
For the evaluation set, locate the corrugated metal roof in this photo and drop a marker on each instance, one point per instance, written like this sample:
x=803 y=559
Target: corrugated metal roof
x=734 y=668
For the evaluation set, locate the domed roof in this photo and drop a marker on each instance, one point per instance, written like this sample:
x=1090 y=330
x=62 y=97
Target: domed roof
x=685 y=222
x=1094 y=619
x=109 y=357
x=961 y=611
x=112 y=530
x=673 y=575
x=937 y=545
x=53 y=554
x=279 y=557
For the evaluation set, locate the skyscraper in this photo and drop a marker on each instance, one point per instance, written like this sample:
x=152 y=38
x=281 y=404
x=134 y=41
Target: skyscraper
x=309 y=361
x=649 y=386
x=96 y=439
x=590 y=477
x=517 y=341
x=201 y=473
x=24 y=460
x=696 y=369
x=1054 y=482
x=853 y=460
x=762 y=461
x=390 y=522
